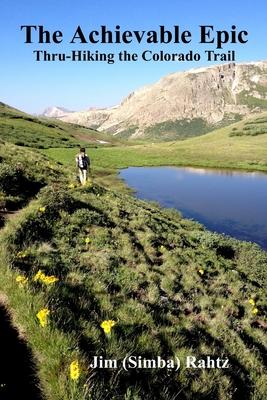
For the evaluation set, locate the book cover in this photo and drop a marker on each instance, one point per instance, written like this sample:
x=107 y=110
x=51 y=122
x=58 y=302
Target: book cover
x=133 y=192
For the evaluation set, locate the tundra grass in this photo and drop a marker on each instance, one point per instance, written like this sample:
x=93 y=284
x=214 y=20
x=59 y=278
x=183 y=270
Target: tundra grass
x=218 y=149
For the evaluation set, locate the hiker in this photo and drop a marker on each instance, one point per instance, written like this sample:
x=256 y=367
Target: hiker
x=83 y=163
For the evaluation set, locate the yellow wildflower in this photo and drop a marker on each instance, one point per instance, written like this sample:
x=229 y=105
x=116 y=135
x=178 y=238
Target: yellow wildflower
x=71 y=186
x=22 y=254
x=47 y=279
x=42 y=209
x=107 y=325
x=74 y=370
x=255 y=310
x=42 y=316
x=51 y=166
x=87 y=240
x=38 y=276
x=21 y=280
x=162 y=248
x=201 y=271
x=252 y=302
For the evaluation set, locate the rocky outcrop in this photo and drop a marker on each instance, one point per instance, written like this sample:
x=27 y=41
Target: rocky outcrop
x=209 y=94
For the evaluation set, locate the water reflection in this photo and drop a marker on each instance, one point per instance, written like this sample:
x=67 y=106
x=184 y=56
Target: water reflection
x=226 y=201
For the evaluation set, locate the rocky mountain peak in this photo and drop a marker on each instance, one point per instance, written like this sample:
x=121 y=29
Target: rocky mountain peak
x=209 y=95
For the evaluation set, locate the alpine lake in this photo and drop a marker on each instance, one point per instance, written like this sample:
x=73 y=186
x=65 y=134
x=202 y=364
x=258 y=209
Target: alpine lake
x=225 y=201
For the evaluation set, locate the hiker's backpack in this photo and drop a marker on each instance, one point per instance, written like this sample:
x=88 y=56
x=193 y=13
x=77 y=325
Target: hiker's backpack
x=83 y=162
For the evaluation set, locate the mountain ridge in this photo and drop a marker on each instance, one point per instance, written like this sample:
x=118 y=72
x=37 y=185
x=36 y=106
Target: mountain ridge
x=207 y=96
x=55 y=112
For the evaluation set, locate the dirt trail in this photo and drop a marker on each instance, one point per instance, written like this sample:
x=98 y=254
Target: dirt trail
x=8 y=214
x=18 y=378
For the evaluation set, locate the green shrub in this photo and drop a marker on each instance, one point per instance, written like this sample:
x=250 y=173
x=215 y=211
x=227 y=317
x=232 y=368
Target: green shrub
x=84 y=217
x=35 y=228
x=12 y=179
x=56 y=198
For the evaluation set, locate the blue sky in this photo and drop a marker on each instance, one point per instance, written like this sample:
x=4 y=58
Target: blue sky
x=32 y=86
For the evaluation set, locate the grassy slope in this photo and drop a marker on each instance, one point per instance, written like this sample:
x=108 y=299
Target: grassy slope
x=216 y=149
x=141 y=267
x=49 y=346
x=184 y=129
x=25 y=130
x=22 y=174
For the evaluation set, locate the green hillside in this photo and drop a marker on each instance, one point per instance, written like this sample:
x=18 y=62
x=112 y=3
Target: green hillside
x=177 y=130
x=24 y=130
x=163 y=285
x=184 y=129
x=241 y=145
